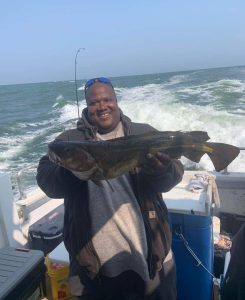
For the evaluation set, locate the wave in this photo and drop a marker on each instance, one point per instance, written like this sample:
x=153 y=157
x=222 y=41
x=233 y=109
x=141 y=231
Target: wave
x=81 y=88
x=60 y=97
x=226 y=85
x=176 y=79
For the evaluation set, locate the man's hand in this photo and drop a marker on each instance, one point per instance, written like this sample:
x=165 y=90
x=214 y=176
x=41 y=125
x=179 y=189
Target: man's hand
x=156 y=164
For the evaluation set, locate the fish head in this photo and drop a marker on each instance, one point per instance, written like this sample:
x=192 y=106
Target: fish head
x=71 y=155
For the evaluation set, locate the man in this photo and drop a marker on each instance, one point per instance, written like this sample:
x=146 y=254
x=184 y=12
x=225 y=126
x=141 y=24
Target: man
x=117 y=235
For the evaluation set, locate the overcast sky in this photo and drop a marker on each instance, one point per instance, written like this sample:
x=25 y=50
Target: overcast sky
x=39 y=39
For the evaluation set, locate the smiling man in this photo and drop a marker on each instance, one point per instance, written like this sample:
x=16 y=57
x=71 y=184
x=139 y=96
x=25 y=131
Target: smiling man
x=117 y=235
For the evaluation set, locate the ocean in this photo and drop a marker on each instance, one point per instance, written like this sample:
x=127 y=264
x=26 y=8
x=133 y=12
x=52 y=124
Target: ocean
x=213 y=100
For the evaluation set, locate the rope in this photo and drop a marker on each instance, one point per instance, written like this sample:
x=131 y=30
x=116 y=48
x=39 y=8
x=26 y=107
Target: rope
x=199 y=262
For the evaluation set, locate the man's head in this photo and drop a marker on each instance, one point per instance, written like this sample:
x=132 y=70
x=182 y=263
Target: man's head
x=103 y=111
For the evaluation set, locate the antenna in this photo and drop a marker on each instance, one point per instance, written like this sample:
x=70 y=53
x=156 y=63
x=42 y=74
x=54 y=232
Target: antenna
x=76 y=79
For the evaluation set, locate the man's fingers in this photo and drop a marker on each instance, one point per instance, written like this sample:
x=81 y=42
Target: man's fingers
x=156 y=164
x=153 y=160
x=164 y=158
x=158 y=160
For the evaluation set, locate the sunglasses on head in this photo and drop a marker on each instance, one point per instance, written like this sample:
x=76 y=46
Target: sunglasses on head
x=90 y=82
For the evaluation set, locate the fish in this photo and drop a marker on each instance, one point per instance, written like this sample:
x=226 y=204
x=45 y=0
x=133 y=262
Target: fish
x=103 y=160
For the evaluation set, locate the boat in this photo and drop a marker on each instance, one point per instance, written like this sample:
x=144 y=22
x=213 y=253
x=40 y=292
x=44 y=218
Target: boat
x=221 y=196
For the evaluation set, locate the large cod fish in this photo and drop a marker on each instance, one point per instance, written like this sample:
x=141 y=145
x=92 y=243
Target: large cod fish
x=99 y=160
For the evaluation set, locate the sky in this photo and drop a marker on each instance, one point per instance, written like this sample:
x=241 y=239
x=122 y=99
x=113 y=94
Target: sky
x=40 y=39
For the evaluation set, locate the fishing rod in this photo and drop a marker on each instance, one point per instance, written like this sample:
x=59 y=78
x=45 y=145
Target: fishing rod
x=76 y=79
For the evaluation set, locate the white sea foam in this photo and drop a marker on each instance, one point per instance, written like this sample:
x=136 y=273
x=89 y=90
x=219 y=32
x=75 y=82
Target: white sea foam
x=177 y=79
x=68 y=112
x=149 y=92
x=51 y=137
x=228 y=86
x=37 y=124
x=17 y=145
x=81 y=88
x=60 y=97
x=225 y=85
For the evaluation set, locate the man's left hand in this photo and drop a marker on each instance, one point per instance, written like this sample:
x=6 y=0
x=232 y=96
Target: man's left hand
x=156 y=164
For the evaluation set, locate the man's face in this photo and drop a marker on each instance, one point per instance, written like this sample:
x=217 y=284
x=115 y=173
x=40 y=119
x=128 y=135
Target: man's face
x=103 y=111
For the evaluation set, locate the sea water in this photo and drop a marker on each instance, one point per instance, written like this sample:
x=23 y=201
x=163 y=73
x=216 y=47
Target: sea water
x=213 y=100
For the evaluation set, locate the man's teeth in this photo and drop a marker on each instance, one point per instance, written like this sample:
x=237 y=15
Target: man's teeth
x=104 y=115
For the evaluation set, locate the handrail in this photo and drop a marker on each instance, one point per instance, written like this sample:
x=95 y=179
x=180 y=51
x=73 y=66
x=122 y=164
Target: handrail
x=22 y=194
x=19 y=184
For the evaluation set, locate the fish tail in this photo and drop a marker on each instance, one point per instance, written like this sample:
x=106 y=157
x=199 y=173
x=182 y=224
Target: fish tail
x=222 y=155
x=195 y=155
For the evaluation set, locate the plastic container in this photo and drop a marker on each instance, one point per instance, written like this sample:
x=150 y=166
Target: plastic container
x=47 y=233
x=58 y=272
x=22 y=273
x=190 y=216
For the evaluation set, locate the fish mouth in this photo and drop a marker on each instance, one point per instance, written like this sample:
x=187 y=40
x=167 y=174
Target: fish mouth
x=54 y=158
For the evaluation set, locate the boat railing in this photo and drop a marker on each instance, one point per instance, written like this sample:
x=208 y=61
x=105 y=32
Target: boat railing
x=19 y=185
x=27 y=202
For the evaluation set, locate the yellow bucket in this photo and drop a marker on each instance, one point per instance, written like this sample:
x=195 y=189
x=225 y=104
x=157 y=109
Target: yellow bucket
x=58 y=274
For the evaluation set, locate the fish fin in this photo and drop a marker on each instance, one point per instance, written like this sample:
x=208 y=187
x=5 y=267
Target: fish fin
x=194 y=155
x=222 y=155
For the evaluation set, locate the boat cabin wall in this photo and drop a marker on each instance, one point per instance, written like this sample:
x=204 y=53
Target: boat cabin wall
x=231 y=189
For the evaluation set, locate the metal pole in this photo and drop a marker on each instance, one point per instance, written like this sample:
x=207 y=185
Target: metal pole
x=76 y=79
